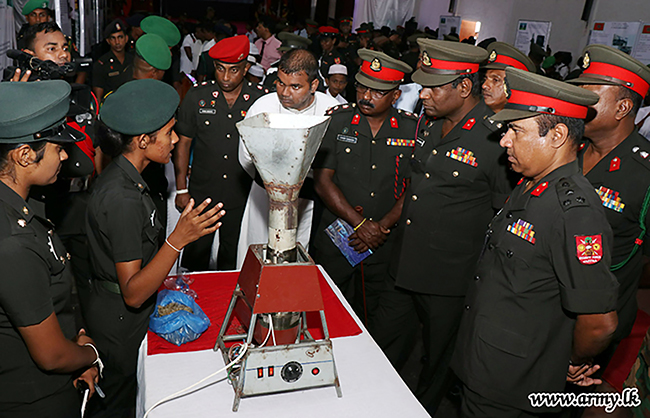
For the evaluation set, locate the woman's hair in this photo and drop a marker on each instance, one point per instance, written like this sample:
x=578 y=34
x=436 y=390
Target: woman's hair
x=114 y=143
x=6 y=168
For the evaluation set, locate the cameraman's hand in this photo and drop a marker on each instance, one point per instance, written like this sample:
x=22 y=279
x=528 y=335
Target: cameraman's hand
x=17 y=77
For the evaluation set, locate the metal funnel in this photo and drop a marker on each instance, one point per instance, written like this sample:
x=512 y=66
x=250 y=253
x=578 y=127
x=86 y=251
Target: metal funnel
x=282 y=147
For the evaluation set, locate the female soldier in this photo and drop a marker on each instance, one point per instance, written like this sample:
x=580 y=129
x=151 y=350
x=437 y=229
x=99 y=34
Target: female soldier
x=41 y=354
x=125 y=237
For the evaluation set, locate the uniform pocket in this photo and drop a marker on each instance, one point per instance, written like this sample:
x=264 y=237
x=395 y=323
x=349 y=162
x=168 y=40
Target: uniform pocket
x=503 y=340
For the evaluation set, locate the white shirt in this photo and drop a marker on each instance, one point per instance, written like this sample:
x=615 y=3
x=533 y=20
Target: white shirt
x=254 y=225
x=645 y=128
x=409 y=98
x=195 y=46
x=338 y=97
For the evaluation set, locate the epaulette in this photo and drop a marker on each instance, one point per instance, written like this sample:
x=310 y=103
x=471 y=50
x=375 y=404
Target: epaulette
x=492 y=125
x=407 y=114
x=569 y=194
x=265 y=90
x=641 y=156
x=340 y=108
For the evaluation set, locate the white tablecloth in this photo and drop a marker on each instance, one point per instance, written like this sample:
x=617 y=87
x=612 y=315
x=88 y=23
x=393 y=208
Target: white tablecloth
x=370 y=385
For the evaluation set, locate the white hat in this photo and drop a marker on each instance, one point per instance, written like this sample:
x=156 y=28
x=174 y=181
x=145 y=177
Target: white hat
x=256 y=70
x=338 y=69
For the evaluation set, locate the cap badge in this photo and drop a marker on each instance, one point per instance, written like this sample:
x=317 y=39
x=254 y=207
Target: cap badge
x=118 y=27
x=426 y=61
x=586 y=60
x=493 y=56
x=241 y=57
x=375 y=65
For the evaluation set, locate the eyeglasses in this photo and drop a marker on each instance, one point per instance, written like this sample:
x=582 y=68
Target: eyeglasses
x=375 y=94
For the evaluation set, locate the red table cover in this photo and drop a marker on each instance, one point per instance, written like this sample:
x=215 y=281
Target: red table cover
x=215 y=291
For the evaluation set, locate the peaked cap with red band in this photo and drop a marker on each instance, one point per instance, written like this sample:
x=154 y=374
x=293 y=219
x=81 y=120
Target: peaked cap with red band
x=231 y=50
x=606 y=65
x=379 y=71
x=443 y=62
x=328 y=31
x=530 y=94
x=504 y=55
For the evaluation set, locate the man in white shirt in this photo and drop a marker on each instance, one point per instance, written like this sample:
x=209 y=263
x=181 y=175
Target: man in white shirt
x=337 y=81
x=296 y=94
x=267 y=44
x=642 y=121
x=190 y=51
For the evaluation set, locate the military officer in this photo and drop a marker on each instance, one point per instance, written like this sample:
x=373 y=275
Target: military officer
x=614 y=155
x=542 y=302
x=35 y=12
x=355 y=168
x=208 y=115
x=41 y=349
x=458 y=180
x=113 y=68
x=128 y=250
x=289 y=41
x=502 y=55
x=331 y=55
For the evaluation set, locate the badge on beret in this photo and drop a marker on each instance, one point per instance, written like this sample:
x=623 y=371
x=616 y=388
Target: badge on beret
x=493 y=56
x=586 y=60
x=201 y=102
x=589 y=248
x=426 y=61
x=375 y=65
x=215 y=94
x=118 y=27
x=241 y=57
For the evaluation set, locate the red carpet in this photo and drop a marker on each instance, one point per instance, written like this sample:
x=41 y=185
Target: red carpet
x=625 y=356
x=215 y=291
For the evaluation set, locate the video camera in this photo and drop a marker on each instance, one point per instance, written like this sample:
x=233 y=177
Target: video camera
x=44 y=70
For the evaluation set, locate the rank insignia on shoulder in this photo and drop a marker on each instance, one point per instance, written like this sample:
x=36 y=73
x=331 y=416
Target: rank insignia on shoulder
x=259 y=87
x=246 y=97
x=393 y=123
x=539 y=189
x=22 y=223
x=610 y=199
x=589 y=248
x=345 y=106
x=204 y=83
x=463 y=155
x=266 y=91
x=615 y=164
x=469 y=124
x=215 y=94
x=395 y=142
x=523 y=230
x=356 y=119
x=346 y=138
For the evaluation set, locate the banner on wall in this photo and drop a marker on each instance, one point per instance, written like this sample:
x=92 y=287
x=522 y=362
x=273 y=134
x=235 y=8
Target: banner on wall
x=642 y=47
x=532 y=31
x=621 y=35
x=449 y=24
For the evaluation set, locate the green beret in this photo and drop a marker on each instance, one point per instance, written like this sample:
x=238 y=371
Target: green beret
x=504 y=55
x=32 y=5
x=35 y=111
x=140 y=107
x=163 y=28
x=380 y=71
x=154 y=50
x=292 y=41
x=442 y=62
x=603 y=64
x=531 y=94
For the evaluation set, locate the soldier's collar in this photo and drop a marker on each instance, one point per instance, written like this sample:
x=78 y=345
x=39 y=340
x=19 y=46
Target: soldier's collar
x=132 y=173
x=12 y=199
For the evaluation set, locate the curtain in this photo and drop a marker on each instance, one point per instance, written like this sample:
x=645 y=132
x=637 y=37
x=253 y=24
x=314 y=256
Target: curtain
x=383 y=12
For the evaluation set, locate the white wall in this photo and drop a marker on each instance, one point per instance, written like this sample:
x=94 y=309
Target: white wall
x=568 y=33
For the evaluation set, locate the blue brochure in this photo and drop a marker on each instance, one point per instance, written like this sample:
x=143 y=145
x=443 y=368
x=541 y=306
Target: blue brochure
x=339 y=232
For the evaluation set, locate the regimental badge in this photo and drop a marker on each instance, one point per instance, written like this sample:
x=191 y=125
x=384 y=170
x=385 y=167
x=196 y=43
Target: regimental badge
x=375 y=65
x=426 y=61
x=215 y=94
x=523 y=230
x=202 y=103
x=243 y=113
x=463 y=155
x=246 y=97
x=586 y=60
x=395 y=142
x=493 y=56
x=589 y=248
x=610 y=199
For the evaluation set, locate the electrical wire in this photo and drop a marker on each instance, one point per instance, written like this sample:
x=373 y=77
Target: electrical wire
x=182 y=391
